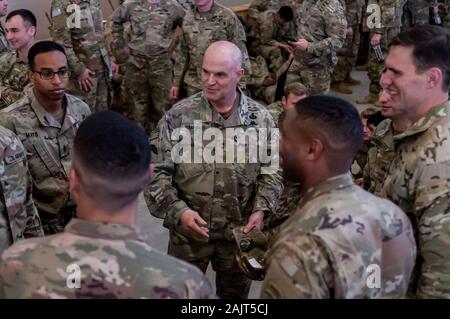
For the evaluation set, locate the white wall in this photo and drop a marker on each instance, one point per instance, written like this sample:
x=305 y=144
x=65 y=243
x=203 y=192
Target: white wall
x=40 y=7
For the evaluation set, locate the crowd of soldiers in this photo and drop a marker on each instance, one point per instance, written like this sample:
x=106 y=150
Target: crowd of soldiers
x=71 y=170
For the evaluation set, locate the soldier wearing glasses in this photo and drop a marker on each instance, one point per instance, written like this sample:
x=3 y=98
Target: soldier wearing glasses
x=46 y=121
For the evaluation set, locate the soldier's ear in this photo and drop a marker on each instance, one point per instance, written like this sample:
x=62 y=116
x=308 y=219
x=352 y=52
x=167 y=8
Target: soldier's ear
x=315 y=149
x=151 y=168
x=240 y=73
x=32 y=31
x=30 y=74
x=434 y=77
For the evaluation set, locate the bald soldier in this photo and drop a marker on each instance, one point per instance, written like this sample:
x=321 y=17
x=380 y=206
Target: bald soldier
x=4 y=45
x=110 y=168
x=202 y=199
x=341 y=241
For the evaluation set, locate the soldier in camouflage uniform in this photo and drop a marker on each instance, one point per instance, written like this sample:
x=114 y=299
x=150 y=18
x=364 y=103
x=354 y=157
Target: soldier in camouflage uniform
x=201 y=202
x=18 y=215
x=416 y=12
x=293 y=93
x=339 y=233
x=46 y=121
x=148 y=76
x=414 y=152
x=4 y=45
x=262 y=84
x=341 y=79
x=321 y=29
x=86 y=48
x=390 y=25
x=258 y=7
x=14 y=82
x=119 y=263
x=204 y=24
x=274 y=31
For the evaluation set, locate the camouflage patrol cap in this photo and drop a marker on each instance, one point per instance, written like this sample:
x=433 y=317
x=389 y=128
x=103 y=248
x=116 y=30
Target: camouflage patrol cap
x=250 y=253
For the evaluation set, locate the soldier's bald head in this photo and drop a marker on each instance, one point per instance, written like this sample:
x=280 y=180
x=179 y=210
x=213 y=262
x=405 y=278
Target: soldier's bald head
x=225 y=51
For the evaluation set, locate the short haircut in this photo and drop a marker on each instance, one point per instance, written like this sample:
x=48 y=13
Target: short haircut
x=375 y=118
x=295 y=88
x=27 y=16
x=43 y=47
x=286 y=13
x=111 y=155
x=431 y=48
x=334 y=121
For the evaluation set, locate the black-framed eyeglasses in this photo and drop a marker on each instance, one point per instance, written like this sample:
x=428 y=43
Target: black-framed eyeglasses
x=49 y=74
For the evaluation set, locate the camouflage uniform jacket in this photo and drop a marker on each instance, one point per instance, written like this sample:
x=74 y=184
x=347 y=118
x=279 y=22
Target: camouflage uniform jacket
x=48 y=145
x=291 y=192
x=14 y=79
x=4 y=45
x=18 y=215
x=151 y=27
x=379 y=157
x=391 y=14
x=323 y=24
x=224 y=194
x=354 y=12
x=269 y=33
x=259 y=72
x=200 y=30
x=335 y=237
x=257 y=7
x=418 y=180
x=85 y=44
x=114 y=262
x=275 y=109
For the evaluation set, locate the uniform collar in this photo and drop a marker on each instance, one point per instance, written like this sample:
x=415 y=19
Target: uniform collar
x=244 y=117
x=207 y=15
x=47 y=120
x=327 y=186
x=100 y=230
x=385 y=133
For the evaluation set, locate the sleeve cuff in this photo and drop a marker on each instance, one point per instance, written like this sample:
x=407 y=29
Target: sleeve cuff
x=173 y=214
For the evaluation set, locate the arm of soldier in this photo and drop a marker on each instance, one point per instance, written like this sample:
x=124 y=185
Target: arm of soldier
x=8 y=95
x=119 y=46
x=269 y=184
x=61 y=34
x=351 y=14
x=256 y=6
x=336 y=29
x=161 y=196
x=180 y=67
x=432 y=206
x=236 y=34
x=298 y=267
x=33 y=227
